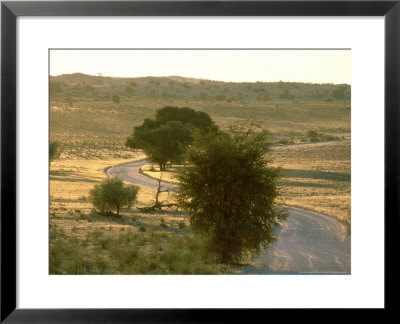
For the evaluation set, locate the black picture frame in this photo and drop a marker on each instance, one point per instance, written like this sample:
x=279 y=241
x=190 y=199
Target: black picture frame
x=10 y=10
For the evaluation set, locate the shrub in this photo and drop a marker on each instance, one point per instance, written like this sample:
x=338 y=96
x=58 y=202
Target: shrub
x=101 y=264
x=115 y=98
x=163 y=223
x=313 y=136
x=129 y=91
x=112 y=194
x=54 y=151
x=286 y=95
x=182 y=224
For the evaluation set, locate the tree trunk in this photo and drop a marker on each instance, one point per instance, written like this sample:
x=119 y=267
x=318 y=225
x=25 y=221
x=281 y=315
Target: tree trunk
x=157 y=194
x=159 y=190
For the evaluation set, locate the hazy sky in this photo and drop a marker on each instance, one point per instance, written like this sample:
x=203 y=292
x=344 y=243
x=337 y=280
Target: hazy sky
x=316 y=66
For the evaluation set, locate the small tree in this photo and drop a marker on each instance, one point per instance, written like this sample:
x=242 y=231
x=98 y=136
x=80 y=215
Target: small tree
x=111 y=194
x=54 y=151
x=229 y=192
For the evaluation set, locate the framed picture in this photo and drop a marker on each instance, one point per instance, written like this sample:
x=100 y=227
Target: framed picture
x=89 y=87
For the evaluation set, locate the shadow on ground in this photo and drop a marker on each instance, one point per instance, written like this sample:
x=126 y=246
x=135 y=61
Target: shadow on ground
x=71 y=176
x=314 y=174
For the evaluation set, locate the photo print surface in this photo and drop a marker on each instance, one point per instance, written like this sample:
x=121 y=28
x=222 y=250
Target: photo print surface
x=217 y=161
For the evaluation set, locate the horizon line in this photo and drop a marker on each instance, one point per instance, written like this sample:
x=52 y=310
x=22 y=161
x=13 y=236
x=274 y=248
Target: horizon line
x=184 y=77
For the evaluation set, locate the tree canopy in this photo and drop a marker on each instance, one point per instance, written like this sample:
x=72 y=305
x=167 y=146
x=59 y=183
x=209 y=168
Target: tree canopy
x=165 y=138
x=229 y=191
x=111 y=194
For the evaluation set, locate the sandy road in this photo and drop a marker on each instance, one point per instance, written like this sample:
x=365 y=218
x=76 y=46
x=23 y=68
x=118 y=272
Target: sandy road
x=130 y=173
x=308 y=242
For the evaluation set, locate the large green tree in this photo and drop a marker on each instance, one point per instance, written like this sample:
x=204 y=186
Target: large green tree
x=166 y=143
x=198 y=119
x=165 y=138
x=229 y=191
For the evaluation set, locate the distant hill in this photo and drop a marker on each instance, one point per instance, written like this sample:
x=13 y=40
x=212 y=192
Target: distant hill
x=78 y=85
x=90 y=122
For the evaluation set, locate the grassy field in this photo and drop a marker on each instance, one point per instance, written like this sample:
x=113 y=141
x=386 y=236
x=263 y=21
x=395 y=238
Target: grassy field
x=92 y=130
x=83 y=242
x=315 y=176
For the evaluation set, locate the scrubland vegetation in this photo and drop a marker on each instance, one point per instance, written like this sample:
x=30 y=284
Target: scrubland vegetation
x=92 y=127
x=89 y=124
x=315 y=176
x=125 y=248
x=82 y=241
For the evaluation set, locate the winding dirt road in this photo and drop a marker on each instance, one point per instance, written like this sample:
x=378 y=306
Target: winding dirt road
x=308 y=242
x=130 y=172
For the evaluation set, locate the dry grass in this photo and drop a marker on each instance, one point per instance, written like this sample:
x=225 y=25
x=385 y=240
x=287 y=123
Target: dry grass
x=71 y=181
x=316 y=177
x=83 y=242
x=92 y=134
x=98 y=130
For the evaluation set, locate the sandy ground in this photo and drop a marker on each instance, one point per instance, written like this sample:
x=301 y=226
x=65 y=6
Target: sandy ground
x=308 y=242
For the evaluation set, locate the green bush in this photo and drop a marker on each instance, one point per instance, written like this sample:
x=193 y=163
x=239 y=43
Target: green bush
x=116 y=98
x=229 y=191
x=313 y=136
x=286 y=95
x=131 y=253
x=111 y=194
x=54 y=151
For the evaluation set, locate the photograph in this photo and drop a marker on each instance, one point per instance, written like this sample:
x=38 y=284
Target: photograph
x=199 y=161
